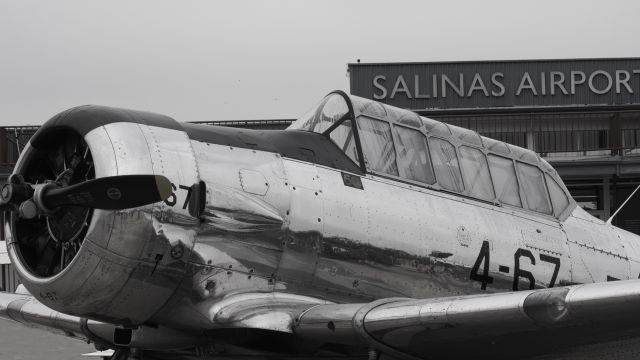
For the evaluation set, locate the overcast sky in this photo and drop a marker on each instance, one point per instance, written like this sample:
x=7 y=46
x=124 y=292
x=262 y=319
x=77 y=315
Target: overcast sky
x=226 y=60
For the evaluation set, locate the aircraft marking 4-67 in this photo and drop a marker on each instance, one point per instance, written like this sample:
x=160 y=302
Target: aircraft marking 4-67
x=361 y=231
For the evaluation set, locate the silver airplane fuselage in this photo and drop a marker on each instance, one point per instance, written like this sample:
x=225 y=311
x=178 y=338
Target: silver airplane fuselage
x=295 y=230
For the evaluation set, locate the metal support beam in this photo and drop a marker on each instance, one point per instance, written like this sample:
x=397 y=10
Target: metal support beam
x=606 y=198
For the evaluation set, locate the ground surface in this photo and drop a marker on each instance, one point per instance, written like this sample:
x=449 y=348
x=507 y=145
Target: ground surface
x=21 y=343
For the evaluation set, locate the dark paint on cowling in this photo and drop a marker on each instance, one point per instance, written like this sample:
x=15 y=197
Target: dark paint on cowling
x=83 y=119
x=294 y=144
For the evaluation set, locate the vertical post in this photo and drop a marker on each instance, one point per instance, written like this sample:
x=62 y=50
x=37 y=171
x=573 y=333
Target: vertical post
x=530 y=135
x=3 y=273
x=606 y=198
x=615 y=134
x=530 y=142
x=3 y=145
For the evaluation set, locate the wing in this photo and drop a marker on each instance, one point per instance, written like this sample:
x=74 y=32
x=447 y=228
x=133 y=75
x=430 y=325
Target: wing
x=591 y=320
x=25 y=309
x=523 y=324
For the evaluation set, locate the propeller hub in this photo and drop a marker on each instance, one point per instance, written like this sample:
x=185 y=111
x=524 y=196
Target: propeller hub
x=28 y=210
x=38 y=197
x=15 y=194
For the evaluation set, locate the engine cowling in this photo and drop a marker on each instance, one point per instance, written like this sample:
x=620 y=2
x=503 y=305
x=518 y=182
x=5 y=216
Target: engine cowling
x=118 y=266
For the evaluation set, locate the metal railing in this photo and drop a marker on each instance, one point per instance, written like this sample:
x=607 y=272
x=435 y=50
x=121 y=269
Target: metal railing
x=592 y=154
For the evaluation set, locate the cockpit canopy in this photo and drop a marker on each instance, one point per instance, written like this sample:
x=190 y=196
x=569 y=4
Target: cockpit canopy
x=400 y=144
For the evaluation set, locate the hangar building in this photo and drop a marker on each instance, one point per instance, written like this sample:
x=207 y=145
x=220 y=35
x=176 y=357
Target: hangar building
x=582 y=115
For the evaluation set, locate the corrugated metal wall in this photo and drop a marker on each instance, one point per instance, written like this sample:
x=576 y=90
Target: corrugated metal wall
x=9 y=280
x=15 y=138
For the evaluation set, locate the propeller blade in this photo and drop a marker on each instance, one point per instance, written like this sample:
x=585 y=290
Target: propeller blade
x=111 y=193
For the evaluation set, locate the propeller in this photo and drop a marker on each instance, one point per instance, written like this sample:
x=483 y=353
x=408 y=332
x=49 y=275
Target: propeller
x=54 y=197
x=109 y=193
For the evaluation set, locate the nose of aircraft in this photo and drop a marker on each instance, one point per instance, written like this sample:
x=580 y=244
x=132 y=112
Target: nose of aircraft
x=80 y=256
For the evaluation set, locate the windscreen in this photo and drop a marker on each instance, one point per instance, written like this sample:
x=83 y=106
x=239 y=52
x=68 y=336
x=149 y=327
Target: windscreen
x=320 y=118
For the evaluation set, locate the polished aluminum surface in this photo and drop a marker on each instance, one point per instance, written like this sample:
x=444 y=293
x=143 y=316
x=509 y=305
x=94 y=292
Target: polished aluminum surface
x=432 y=326
x=291 y=248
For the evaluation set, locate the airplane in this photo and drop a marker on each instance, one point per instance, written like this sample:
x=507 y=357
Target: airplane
x=362 y=231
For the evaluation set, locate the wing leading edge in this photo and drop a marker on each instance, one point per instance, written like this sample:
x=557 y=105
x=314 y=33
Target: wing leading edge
x=524 y=324
x=28 y=311
x=504 y=325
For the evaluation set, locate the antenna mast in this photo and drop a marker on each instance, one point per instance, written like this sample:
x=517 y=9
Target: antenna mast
x=621 y=206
